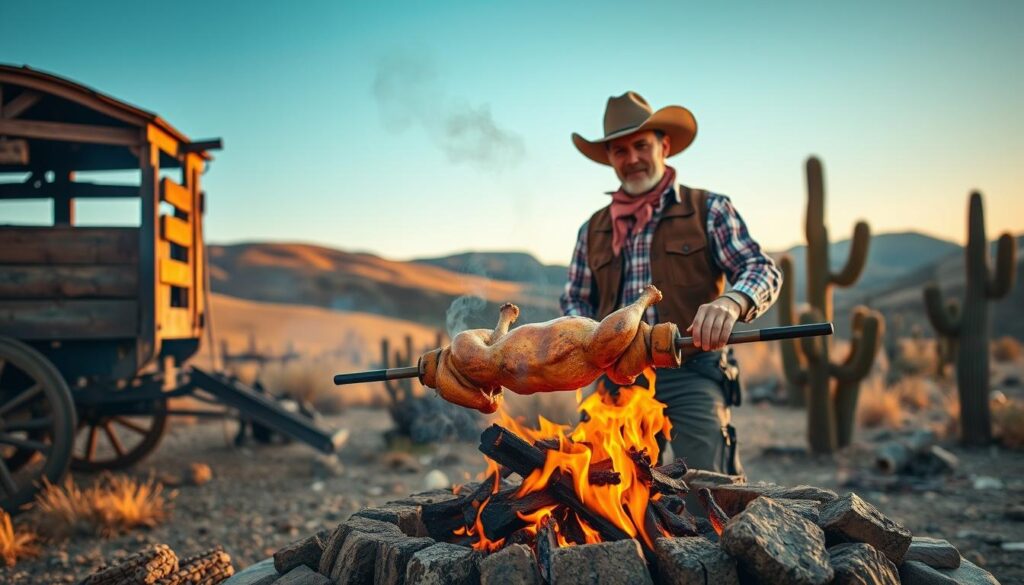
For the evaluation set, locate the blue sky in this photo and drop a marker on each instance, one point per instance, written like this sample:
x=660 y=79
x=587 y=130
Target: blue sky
x=424 y=128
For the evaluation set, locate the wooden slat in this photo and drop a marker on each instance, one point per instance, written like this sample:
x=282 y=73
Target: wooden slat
x=68 y=282
x=73 y=190
x=162 y=140
x=18 y=105
x=175 y=273
x=176 y=195
x=176 y=323
x=70 y=132
x=65 y=320
x=69 y=245
x=176 y=230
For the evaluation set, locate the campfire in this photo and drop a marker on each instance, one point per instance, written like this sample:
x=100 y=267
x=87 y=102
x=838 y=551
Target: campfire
x=596 y=482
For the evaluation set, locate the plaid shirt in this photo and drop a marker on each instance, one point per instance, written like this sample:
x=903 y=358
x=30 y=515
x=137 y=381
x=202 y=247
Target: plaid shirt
x=749 y=270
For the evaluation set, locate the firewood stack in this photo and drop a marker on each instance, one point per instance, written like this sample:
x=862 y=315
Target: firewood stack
x=157 y=564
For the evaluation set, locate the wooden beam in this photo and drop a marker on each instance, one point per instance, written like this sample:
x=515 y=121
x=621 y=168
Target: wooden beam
x=162 y=140
x=69 y=245
x=175 y=273
x=63 y=211
x=69 y=319
x=18 y=105
x=69 y=132
x=176 y=195
x=67 y=281
x=176 y=230
x=203 y=145
x=28 y=190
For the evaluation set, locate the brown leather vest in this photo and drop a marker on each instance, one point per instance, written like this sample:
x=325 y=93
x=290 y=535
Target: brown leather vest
x=681 y=263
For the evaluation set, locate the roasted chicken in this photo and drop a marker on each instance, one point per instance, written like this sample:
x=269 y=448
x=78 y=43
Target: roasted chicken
x=561 y=354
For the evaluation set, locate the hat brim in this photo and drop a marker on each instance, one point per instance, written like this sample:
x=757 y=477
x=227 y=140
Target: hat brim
x=675 y=121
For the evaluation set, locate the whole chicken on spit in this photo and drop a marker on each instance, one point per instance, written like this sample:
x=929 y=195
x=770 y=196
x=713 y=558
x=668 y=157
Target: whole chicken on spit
x=562 y=354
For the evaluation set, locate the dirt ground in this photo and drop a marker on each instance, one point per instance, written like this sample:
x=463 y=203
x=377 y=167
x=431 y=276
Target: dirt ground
x=262 y=497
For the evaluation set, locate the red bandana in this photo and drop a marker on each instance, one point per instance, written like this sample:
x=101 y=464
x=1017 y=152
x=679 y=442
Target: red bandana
x=630 y=211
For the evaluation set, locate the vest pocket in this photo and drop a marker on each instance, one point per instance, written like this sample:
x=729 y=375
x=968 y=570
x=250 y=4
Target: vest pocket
x=686 y=261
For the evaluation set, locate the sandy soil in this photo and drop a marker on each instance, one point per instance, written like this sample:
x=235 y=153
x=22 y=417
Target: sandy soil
x=263 y=497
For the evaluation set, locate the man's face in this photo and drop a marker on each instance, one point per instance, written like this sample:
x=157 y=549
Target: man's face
x=638 y=160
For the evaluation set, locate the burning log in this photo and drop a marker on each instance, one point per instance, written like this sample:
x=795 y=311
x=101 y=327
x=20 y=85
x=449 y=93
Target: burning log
x=716 y=516
x=546 y=544
x=656 y=477
x=679 y=524
x=508 y=449
x=502 y=514
x=600 y=472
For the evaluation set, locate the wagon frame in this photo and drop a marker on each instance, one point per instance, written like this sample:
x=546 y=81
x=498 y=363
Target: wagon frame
x=97 y=323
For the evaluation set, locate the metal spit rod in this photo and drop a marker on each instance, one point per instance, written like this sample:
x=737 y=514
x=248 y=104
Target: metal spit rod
x=765 y=334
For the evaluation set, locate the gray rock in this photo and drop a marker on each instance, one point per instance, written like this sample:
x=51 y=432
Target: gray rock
x=934 y=552
x=918 y=573
x=302 y=552
x=777 y=545
x=444 y=564
x=693 y=560
x=427 y=497
x=405 y=517
x=810 y=510
x=358 y=540
x=858 y=563
x=611 y=563
x=512 y=565
x=333 y=545
x=393 y=556
x=261 y=573
x=851 y=519
x=734 y=498
x=970 y=574
x=303 y=575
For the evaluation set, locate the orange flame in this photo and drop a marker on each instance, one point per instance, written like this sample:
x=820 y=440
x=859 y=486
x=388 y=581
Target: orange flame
x=629 y=419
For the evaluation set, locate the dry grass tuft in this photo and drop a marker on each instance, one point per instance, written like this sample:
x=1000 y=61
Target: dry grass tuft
x=914 y=357
x=115 y=505
x=1006 y=349
x=912 y=393
x=1008 y=423
x=15 y=544
x=878 y=406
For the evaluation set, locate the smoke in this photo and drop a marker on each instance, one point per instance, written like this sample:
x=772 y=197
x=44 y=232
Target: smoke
x=409 y=93
x=459 y=312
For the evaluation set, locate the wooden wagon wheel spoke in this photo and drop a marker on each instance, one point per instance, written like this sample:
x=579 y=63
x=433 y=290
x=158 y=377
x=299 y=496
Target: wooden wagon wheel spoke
x=29 y=425
x=7 y=480
x=6 y=439
x=90 y=446
x=114 y=440
x=131 y=425
x=24 y=398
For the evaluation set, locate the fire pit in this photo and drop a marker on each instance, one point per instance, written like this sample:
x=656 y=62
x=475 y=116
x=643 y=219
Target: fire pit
x=593 y=506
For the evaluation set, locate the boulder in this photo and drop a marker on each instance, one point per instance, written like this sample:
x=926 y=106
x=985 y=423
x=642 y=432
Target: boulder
x=777 y=545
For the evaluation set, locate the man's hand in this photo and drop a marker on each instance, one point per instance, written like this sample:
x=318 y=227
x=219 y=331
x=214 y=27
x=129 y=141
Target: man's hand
x=713 y=323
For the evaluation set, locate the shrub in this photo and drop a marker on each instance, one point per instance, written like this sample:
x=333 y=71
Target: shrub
x=912 y=393
x=878 y=406
x=1008 y=423
x=1006 y=349
x=115 y=505
x=15 y=544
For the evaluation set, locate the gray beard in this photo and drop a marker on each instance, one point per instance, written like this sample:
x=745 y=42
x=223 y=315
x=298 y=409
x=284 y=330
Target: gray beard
x=641 y=187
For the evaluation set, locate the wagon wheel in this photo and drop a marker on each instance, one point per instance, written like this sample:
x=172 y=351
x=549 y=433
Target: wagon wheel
x=37 y=422
x=118 y=441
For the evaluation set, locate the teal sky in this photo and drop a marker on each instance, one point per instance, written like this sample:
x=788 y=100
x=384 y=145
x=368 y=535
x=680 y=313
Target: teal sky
x=425 y=128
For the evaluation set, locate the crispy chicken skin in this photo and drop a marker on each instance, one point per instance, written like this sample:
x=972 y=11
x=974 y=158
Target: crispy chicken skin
x=561 y=354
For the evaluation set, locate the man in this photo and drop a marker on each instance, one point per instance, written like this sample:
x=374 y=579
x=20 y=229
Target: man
x=686 y=242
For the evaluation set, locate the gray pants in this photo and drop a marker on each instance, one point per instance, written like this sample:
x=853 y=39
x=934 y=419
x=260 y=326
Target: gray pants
x=699 y=415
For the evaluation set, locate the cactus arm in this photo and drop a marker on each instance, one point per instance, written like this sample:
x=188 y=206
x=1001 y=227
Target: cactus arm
x=857 y=259
x=813 y=348
x=1000 y=283
x=941 y=320
x=868 y=328
x=793 y=363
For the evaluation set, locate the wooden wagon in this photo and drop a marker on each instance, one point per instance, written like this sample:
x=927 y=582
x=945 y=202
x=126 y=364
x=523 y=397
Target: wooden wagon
x=96 y=323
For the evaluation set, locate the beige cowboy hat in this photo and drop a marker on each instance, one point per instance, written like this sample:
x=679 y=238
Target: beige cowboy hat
x=629 y=113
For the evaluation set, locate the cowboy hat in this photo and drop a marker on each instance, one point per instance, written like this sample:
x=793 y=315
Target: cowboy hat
x=629 y=113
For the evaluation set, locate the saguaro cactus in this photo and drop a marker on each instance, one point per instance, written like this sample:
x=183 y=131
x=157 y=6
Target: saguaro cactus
x=971 y=329
x=831 y=408
x=400 y=389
